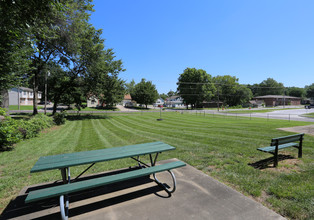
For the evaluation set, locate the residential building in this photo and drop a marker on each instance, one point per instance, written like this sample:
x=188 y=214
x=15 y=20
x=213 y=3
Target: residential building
x=159 y=102
x=275 y=100
x=93 y=101
x=22 y=95
x=127 y=100
x=174 y=101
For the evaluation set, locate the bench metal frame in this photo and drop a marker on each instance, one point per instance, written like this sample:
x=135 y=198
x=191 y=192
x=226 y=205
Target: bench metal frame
x=279 y=143
x=66 y=178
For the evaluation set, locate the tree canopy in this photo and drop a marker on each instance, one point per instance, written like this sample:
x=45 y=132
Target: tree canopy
x=144 y=93
x=310 y=91
x=268 y=87
x=58 y=38
x=195 y=86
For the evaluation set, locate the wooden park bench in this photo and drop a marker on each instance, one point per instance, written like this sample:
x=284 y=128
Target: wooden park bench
x=279 y=143
x=65 y=161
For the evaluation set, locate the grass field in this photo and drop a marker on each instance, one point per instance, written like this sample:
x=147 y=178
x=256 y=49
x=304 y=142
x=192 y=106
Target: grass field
x=96 y=109
x=222 y=147
x=23 y=107
x=310 y=115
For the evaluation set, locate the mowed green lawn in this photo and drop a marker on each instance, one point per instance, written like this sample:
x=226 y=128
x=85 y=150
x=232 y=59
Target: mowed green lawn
x=23 y=107
x=222 y=147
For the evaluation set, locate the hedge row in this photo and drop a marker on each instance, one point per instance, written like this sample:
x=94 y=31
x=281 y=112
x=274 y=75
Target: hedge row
x=13 y=131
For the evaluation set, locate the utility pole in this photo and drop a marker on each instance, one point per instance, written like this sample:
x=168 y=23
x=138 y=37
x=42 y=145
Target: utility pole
x=18 y=97
x=284 y=98
x=46 y=79
x=218 y=98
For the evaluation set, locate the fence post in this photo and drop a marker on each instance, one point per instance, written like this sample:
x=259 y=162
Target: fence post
x=250 y=115
x=289 y=117
x=204 y=113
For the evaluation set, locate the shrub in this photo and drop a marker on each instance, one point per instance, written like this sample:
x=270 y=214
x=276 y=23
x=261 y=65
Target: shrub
x=59 y=118
x=12 y=131
x=3 y=112
x=30 y=128
x=9 y=132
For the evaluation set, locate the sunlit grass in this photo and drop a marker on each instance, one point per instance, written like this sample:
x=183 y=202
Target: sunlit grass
x=220 y=146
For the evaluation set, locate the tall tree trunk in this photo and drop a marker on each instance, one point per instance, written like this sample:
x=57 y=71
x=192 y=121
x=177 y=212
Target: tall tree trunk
x=35 y=91
x=55 y=104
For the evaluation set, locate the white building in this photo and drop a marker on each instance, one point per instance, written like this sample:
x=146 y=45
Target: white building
x=23 y=95
x=174 y=101
x=159 y=102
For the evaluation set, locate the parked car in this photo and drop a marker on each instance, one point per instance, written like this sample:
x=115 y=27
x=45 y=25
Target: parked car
x=43 y=102
x=309 y=106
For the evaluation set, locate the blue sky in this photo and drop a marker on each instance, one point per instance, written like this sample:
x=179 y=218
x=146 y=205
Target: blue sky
x=252 y=40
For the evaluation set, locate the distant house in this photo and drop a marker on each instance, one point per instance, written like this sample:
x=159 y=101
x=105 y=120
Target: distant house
x=174 y=101
x=93 y=101
x=275 y=100
x=127 y=100
x=22 y=95
x=159 y=102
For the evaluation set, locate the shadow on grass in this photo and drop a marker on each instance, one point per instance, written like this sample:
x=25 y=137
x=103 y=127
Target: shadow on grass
x=3 y=149
x=269 y=162
x=86 y=117
x=83 y=202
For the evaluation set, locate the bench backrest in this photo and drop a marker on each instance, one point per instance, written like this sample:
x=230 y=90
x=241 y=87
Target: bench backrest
x=286 y=139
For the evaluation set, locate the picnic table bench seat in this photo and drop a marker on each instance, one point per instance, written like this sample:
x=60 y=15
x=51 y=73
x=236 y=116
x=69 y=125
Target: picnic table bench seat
x=64 y=189
x=279 y=143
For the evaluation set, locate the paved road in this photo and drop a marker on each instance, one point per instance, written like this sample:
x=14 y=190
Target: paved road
x=292 y=114
x=289 y=114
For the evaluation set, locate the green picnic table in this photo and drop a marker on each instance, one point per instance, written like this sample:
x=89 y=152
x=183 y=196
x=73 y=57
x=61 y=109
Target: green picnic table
x=65 y=161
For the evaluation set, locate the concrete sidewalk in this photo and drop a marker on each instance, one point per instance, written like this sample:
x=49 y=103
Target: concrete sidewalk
x=198 y=196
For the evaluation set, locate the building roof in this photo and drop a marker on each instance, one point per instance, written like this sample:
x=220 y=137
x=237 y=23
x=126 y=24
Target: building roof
x=127 y=97
x=276 y=97
x=173 y=97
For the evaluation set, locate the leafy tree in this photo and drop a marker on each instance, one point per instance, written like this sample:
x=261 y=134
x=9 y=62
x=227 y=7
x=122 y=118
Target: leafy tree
x=296 y=92
x=113 y=90
x=163 y=96
x=226 y=89
x=195 y=86
x=144 y=92
x=242 y=95
x=171 y=93
x=16 y=18
x=254 y=88
x=129 y=86
x=270 y=87
x=310 y=91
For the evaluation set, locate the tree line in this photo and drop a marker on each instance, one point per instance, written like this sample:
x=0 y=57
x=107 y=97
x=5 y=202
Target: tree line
x=196 y=86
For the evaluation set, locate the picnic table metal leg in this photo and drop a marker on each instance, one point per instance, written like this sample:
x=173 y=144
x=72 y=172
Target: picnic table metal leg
x=165 y=186
x=300 y=147
x=64 y=208
x=276 y=156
